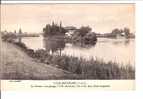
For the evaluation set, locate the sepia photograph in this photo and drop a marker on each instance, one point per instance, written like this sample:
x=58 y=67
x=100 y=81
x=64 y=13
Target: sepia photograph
x=67 y=41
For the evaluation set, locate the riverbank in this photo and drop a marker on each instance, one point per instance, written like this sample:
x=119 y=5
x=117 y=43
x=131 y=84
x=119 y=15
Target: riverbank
x=87 y=69
x=19 y=62
x=16 y=64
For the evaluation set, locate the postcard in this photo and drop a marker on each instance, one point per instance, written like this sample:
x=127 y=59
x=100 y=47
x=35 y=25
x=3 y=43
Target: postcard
x=67 y=46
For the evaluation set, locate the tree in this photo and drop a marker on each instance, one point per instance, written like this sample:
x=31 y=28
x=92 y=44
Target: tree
x=84 y=36
x=126 y=31
x=54 y=37
x=15 y=31
x=90 y=38
x=84 y=30
x=10 y=37
x=54 y=29
x=116 y=31
x=20 y=31
x=47 y=30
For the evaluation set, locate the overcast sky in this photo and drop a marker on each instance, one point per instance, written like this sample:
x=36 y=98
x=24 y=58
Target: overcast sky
x=101 y=17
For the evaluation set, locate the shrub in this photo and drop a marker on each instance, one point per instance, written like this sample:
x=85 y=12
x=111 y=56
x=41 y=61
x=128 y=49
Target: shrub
x=90 y=69
x=9 y=37
x=87 y=69
x=21 y=45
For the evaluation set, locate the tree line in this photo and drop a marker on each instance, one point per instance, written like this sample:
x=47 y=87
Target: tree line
x=83 y=35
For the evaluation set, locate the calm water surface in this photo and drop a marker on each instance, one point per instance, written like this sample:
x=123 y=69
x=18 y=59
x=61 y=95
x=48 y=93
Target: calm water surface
x=121 y=51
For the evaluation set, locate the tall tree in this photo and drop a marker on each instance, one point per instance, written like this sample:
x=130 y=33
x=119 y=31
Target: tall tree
x=127 y=31
x=54 y=29
x=116 y=31
x=84 y=30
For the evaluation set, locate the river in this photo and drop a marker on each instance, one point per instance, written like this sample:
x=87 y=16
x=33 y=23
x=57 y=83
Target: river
x=121 y=51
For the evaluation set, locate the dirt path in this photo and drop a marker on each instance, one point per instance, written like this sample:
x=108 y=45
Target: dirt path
x=15 y=64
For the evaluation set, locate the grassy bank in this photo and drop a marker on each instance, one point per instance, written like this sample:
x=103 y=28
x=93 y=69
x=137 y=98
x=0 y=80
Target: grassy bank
x=16 y=64
x=82 y=68
x=87 y=69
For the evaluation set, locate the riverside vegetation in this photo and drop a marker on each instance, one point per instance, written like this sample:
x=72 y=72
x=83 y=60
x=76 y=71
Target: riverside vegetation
x=87 y=69
x=84 y=69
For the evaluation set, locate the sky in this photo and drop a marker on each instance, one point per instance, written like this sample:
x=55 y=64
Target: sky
x=102 y=18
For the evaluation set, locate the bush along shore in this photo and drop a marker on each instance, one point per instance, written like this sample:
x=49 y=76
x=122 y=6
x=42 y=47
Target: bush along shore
x=85 y=69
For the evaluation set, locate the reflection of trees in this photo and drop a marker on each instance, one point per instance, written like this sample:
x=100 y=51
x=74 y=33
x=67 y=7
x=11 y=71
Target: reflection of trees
x=54 y=37
x=54 y=44
x=125 y=42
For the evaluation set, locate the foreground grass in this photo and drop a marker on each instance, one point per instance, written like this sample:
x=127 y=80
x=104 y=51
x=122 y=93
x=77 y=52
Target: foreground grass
x=16 y=64
x=87 y=69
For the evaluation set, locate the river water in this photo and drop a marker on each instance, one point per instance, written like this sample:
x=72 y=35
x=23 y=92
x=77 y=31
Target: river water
x=121 y=51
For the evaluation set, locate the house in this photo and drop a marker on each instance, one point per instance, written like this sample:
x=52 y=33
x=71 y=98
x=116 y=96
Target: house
x=120 y=35
x=70 y=31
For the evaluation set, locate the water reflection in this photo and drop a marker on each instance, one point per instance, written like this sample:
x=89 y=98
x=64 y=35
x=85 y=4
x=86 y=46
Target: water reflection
x=127 y=42
x=123 y=51
x=121 y=42
x=54 y=44
x=116 y=50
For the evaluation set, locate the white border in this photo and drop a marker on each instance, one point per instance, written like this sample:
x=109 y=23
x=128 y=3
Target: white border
x=139 y=45
x=73 y=1
x=91 y=94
